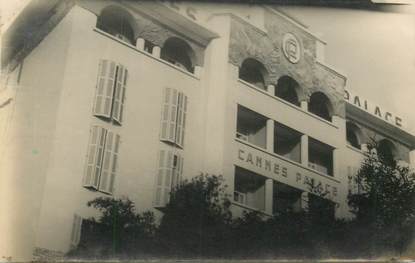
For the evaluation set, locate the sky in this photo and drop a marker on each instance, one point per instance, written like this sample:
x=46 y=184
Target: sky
x=374 y=49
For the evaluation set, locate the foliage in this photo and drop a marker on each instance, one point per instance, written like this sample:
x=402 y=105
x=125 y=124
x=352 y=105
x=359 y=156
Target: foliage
x=385 y=202
x=195 y=221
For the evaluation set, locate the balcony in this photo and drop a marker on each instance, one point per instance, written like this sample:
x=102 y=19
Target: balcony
x=279 y=168
x=320 y=157
x=249 y=189
x=251 y=127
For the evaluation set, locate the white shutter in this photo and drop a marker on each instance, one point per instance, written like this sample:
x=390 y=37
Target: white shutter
x=169 y=115
x=114 y=162
x=177 y=170
x=106 y=161
x=119 y=93
x=76 y=230
x=164 y=177
x=94 y=157
x=104 y=89
x=181 y=119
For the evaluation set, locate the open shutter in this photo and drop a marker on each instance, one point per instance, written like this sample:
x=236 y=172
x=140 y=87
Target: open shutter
x=177 y=170
x=169 y=115
x=119 y=94
x=94 y=157
x=106 y=163
x=181 y=119
x=114 y=162
x=105 y=89
x=76 y=230
x=164 y=177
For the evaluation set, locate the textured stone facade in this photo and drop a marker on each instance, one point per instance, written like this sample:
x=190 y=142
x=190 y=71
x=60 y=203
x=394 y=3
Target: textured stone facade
x=247 y=41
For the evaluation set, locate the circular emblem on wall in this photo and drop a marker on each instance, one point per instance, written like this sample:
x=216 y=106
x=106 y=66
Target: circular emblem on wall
x=291 y=48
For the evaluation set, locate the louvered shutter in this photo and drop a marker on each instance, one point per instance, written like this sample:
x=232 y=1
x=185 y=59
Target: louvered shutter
x=94 y=157
x=177 y=170
x=181 y=119
x=114 y=162
x=107 y=161
x=76 y=230
x=164 y=177
x=105 y=88
x=169 y=115
x=119 y=94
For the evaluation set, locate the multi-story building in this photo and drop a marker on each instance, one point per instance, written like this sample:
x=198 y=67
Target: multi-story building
x=127 y=98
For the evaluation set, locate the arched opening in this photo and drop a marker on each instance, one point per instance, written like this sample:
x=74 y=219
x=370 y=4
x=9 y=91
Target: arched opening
x=117 y=22
x=386 y=151
x=253 y=72
x=353 y=135
x=287 y=90
x=320 y=105
x=179 y=53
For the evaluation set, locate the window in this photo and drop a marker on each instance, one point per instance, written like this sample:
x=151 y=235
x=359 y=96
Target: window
x=116 y=21
x=286 y=198
x=249 y=189
x=320 y=105
x=76 y=230
x=169 y=175
x=102 y=160
x=173 y=119
x=320 y=157
x=287 y=90
x=110 y=91
x=251 y=127
x=253 y=72
x=177 y=52
x=287 y=142
x=352 y=135
x=387 y=151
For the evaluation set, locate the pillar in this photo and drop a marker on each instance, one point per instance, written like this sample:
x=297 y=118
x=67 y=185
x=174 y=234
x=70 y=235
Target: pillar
x=304 y=105
x=336 y=162
x=156 y=51
x=304 y=201
x=198 y=71
x=269 y=195
x=304 y=150
x=412 y=159
x=140 y=43
x=363 y=147
x=271 y=90
x=270 y=135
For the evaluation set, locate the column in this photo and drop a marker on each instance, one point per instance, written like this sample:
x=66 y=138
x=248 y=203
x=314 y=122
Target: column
x=363 y=147
x=336 y=162
x=304 y=105
x=304 y=150
x=271 y=90
x=140 y=43
x=198 y=71
x=270 y=135
x=156 y=51
x=412 y=159
x=304 y=201
x=269 y=195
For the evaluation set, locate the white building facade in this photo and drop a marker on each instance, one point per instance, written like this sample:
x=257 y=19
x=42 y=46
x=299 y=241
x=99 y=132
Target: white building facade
x=125 y=98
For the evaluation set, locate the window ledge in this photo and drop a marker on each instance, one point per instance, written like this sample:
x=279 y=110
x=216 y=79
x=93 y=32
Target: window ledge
x=287 y=103
x=355 y=149
x=288 y=160
x=146 y=53
x=250 y=208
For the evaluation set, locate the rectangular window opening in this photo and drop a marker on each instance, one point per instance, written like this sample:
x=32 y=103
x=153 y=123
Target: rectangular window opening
x=320 y=156
x=251 y=127
x=287 y=142
x=249 y=189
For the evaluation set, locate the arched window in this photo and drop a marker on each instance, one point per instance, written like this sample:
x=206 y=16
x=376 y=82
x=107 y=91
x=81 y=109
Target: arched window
x=320 y=105
x=287 y=90
x=179 y=53
x=386 y=151
x=253 y=72
x=117 y=22
x=353 y=135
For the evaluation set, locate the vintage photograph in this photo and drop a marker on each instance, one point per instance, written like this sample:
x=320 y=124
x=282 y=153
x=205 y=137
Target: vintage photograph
x=207 y=130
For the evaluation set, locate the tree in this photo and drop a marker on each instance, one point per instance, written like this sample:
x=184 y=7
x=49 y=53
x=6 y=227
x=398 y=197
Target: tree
x=385 y=202
x=195 y=221
x=119 y=229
